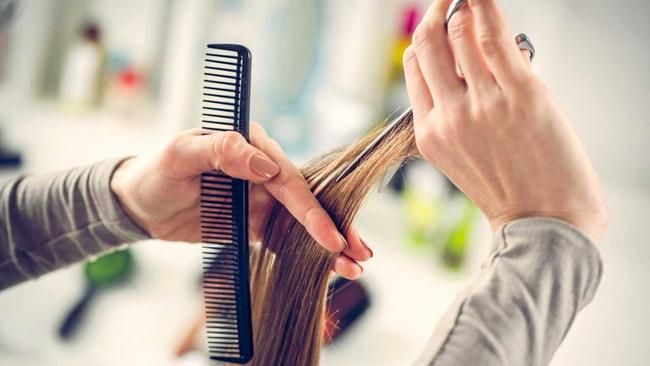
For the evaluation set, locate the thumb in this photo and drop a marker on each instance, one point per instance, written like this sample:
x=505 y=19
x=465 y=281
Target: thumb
x=192 y=154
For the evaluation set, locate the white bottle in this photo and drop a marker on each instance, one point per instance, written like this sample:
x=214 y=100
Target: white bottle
x=82 y=71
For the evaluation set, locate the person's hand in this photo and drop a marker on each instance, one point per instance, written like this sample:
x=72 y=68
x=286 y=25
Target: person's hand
x=161 y=192
x=496 y=132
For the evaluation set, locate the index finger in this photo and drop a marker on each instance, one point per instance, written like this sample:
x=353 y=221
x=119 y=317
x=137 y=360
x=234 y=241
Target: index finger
x=290 y=188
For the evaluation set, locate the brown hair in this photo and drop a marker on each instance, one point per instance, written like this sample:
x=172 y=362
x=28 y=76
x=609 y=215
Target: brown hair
x=290 y=271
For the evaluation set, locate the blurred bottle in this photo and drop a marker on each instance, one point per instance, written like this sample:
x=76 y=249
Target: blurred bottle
x=289 y=72
x=83 y=71
x=126 y=88
x=396 y=96
x=462 y=214
x=423 y=195
x=7 y=10
x=8 y=157
x=439 y=216
x=3 y=50
x=356 y=49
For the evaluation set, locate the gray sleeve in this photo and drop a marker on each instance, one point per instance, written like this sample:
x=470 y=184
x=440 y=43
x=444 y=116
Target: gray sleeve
x=50 y=221
x=541 y=272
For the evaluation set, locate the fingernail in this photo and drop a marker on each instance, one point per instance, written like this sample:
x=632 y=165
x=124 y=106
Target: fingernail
x=344 y=242
x=264 y=167
x=367 y=247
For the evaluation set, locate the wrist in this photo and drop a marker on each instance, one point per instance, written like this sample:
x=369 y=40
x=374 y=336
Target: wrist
x=122 y=190
x=592 y=226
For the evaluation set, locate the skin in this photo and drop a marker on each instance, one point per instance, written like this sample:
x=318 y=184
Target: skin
x=161 y=192
x=496 y=132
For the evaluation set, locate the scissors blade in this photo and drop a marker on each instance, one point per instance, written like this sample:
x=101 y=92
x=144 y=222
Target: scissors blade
x=373 y=145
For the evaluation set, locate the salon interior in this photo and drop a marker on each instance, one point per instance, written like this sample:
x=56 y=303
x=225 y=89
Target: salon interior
x=83 y=81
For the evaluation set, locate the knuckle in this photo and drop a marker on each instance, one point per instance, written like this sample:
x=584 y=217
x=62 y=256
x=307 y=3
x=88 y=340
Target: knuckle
x=230 y=142
x=225 y=147
x=479 y=111
x=174 y=146
x=490 y=44
x=284 y=189
x=307 y=216
x=457 y=31
x=421 y=37
x=408 y=59
x=459 y=26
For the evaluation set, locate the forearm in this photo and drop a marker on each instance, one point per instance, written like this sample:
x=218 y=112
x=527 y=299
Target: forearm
x=541 y=273
x=50 y=221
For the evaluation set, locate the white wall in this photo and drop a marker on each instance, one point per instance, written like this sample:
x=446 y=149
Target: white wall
x=595 y=56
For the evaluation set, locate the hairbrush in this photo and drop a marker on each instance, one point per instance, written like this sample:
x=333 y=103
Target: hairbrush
x=346 y=302
x=224 y=210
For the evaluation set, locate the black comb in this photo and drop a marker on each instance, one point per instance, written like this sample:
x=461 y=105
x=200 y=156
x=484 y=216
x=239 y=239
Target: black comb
x=224 y=210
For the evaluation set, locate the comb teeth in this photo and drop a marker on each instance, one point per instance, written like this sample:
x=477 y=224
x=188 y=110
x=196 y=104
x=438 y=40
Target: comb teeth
x=224 y=208
x=222 y=95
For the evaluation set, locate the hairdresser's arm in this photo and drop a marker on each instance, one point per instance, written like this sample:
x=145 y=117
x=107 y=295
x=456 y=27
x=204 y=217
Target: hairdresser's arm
x=161 y=192
x=500 y=137
x=50 y=221
x=540 y=274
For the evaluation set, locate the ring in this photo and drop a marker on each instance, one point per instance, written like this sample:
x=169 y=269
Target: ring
x=525 y=44
x=453 y=8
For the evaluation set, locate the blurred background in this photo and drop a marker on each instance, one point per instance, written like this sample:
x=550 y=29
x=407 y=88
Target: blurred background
x=82 y=81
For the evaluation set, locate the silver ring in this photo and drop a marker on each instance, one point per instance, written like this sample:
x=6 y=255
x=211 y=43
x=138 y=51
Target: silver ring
x=453 y=9
x=525 y=44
